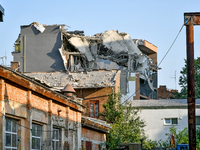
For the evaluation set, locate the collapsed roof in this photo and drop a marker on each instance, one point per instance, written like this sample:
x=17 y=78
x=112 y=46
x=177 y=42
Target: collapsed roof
x=72 y=51
x=109 y=50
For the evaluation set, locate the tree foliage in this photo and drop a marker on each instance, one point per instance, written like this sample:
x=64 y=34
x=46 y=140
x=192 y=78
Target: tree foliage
x=181 y=137
x=183 y=80
x=127 y=126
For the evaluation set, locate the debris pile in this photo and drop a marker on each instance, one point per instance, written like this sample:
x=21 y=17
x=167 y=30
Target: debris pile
x=107 y=51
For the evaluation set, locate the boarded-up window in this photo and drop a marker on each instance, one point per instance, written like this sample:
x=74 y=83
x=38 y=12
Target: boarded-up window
x=88 y=145
x=94 y=109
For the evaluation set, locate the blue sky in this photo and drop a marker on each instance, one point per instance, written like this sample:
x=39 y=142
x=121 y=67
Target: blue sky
x=156 y=21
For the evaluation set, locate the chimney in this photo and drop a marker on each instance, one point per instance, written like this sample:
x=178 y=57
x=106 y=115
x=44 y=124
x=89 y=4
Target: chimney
x=15 y=65
x=68 y=90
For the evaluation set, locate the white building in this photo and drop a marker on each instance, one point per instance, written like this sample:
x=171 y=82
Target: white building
x=160 y=115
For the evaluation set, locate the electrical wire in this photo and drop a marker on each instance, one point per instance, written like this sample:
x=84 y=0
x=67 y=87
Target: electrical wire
x=160 y=61
x=171 y=45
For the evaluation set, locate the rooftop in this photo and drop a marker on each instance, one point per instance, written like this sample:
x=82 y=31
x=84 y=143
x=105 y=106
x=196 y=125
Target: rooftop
x=162 y=103
x=33 y=85
x=95 y=124
x=92 y=79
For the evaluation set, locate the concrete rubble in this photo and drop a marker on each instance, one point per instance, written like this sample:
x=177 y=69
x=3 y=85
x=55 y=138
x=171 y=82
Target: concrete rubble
x=104 y=51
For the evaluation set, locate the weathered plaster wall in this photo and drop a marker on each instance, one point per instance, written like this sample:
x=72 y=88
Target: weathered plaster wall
x=28 y=107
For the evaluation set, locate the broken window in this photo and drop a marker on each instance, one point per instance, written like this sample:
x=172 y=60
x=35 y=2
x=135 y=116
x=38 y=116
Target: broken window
x=94 y=109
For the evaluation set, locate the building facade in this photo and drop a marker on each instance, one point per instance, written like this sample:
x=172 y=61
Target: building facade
x=35 y=117
x=92 y=86
x=160 y=115
x=49 y=48
x=164 y=93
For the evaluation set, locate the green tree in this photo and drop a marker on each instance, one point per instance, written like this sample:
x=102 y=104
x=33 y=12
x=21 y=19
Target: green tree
x=127 y=126
x=181 y=137
x=183 y=80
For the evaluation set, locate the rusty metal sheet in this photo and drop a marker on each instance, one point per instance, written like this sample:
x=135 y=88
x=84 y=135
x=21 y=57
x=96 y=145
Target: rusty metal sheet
x=192 y=18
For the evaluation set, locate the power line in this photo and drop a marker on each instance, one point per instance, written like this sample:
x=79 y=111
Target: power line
x=171 y=45
x=160 y=61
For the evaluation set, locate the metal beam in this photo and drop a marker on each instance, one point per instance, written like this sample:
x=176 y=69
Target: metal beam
x=192 y=18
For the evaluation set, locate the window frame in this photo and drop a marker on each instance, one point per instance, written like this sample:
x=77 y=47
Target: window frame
x=11 y=132
x=93 y=102
x=169 y=124
x=196 y=120
x=36 y=137
x=54 y=139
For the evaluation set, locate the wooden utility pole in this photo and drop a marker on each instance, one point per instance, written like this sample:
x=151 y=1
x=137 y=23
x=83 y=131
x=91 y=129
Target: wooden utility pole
x=191 y=19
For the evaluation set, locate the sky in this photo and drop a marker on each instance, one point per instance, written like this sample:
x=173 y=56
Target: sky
x=157 y=21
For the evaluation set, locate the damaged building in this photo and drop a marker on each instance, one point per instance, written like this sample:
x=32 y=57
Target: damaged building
x=92 y=86
x=52 y=48
x=35 y=117
x=90 y=66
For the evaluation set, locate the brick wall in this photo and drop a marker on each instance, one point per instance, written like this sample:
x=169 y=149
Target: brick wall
x=97 y=138
x=26 y=102
x=164 y=93
x=90 y=94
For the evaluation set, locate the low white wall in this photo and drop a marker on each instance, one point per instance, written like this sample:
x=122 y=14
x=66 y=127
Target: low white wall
x=154 y=118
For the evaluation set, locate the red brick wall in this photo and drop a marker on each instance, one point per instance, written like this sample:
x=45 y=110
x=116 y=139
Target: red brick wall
x=99 y=94
x=164 y=93
x=39 y=103
x=15 y=93
x=19 y=94
x=91 y=135
x=58 y=110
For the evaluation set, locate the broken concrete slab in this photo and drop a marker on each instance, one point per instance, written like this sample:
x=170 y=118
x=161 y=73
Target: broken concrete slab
x=83 y=46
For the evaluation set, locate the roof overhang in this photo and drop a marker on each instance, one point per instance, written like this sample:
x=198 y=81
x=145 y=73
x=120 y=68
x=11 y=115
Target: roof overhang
x=29 y=84
x=95 y=124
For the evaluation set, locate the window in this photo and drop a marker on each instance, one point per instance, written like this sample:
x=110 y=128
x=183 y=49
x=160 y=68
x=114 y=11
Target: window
x=88 y=145
x=171 y=121
x=36 y=136
x=55 y=139
x=11 y=134
x=197 y=120
x=94 y=109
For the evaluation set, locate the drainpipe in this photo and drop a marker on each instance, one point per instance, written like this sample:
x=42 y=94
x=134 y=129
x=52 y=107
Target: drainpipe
x=24 y=53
